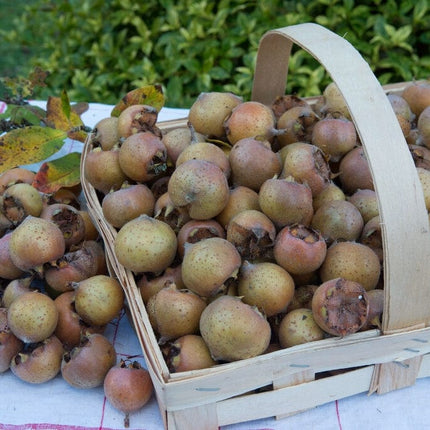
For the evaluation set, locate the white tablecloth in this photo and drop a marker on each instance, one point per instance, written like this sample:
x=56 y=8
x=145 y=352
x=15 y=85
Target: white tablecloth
x=57 y=405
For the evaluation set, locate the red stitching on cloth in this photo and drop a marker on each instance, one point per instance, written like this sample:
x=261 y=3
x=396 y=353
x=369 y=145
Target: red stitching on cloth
x=47 y=426
x=115 y=333
x=338 y=414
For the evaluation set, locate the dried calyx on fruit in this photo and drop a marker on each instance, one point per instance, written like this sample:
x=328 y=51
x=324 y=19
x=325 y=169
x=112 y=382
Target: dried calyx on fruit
x=296 y=125
x=20 y=200
x=195 y=230
x=285 y=102
x=252 y=233
x=69 y=221
x=143 y=157
x=137 y=118
x=164 y=210
x=340 y=306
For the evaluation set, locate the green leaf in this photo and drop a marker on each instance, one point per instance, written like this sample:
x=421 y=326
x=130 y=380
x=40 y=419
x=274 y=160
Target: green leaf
x=403 y=33
x=420 y=9
x=29 y=145
x=55 y=174
x=20 y=113
x=65 y=104
x=218 y=73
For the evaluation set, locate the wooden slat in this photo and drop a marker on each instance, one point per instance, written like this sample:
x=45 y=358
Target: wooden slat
x=198 y=418
x=294 y=399
x=290 y=380
x=392 y=376
x=243 y=376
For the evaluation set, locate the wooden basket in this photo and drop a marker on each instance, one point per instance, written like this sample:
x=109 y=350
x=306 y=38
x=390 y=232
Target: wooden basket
x=288 y=381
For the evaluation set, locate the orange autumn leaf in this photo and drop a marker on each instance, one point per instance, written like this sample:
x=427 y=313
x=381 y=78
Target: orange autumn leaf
x=55 y=174
x=60 y=115
x=151 y=95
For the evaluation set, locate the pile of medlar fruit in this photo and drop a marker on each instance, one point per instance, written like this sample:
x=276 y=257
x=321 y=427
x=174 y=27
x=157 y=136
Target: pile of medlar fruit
x=57 y=296
x=249 y=227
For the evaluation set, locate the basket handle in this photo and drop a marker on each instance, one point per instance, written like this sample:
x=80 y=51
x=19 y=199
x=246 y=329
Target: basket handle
x=403 y=214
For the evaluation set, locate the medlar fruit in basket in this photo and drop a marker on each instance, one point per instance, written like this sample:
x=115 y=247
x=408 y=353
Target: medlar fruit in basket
x=188 y=352
x=127 y=203
x=252 y=233
x=209 y=264
x=234 y=330
x=338 y=220
x=240 y=198
x=353 y=261
x=145 y=244
x=143 y=157
x=175 y=312
x=265 y=285
x=209 y=111
x=307 y=164
x=299 y=249
x=286 y=201
x=298 y=326
x=206 y=151
x=417 y=94
x=201 y=187
x=250 y=119
x=253 y=162
x=340 y=306
x=334 y=136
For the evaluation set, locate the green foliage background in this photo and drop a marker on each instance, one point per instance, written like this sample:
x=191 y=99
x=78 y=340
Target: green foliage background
x=97 y=50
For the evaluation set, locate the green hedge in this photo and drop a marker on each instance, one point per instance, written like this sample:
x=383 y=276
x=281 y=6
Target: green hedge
x=99 y=49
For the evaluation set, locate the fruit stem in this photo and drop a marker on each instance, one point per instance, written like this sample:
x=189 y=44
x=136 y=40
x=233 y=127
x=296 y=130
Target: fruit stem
x=127 y=420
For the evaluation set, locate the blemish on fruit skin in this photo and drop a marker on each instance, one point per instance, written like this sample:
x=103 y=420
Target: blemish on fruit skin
x=324 y=311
